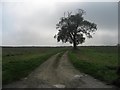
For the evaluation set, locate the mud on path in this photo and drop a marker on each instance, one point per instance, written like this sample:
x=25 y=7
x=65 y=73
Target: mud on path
x=56 y=73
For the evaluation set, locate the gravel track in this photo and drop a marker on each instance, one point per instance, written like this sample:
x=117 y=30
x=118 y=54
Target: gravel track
x=57 y=74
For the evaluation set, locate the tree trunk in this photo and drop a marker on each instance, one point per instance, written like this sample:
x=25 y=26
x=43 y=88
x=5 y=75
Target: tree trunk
x=74 y=45
x=74 y=42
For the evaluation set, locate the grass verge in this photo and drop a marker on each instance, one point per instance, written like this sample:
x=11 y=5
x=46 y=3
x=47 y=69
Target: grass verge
x=105 y=72
x=15 y=67
x=15 y=70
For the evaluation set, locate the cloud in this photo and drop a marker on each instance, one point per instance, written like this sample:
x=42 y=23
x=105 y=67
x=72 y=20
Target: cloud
x=103 y=37
x=26 y=23
x=0 y=24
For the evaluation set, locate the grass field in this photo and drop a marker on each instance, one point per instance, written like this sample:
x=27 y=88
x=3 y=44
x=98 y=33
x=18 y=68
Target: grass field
x=100 y=62
x=19 y=62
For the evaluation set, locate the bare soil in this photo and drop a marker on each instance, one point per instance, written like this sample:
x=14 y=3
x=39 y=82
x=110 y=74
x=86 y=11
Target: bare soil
x=57 y=74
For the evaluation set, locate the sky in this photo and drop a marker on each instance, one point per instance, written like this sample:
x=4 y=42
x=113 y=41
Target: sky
x=34 y=22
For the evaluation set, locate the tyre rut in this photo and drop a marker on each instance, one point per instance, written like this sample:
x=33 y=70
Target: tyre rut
x=57 y=73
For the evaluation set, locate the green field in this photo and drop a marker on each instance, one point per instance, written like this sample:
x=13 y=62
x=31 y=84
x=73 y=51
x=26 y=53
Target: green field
x=100 y=62
x=19 y=62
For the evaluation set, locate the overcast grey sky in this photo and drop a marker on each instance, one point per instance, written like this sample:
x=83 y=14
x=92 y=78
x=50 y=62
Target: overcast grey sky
x=34 y=23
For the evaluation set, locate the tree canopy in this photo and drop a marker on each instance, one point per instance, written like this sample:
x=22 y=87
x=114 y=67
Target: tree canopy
x=73 y=28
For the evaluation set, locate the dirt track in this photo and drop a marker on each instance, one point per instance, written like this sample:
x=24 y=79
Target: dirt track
x=57 y=74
